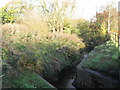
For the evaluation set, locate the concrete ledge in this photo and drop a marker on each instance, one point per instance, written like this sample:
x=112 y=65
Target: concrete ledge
x=87 y=78
x=51 y=86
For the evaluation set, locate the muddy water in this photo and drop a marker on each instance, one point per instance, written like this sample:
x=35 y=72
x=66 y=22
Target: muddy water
x=66 y=79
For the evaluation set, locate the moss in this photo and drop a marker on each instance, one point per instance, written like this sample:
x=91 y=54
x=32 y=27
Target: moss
x=104 y=58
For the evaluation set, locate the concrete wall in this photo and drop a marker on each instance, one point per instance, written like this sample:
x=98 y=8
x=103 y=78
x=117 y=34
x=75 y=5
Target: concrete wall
x=87 y=78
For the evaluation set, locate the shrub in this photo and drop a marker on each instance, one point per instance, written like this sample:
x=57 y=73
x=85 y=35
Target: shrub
x=92 y=35
x=47 y=56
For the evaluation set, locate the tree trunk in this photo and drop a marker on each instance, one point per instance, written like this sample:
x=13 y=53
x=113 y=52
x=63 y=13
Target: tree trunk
x=108 y=19
x=61 y=29
x=53 y=30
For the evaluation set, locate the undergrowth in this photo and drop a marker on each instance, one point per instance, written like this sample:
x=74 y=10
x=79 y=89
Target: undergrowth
x=46 y=56
x=104 y=58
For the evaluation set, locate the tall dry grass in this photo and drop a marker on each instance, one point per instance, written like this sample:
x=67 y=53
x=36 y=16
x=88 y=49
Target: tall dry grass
x=65 y=36
x=34 y=28
x=37 y=26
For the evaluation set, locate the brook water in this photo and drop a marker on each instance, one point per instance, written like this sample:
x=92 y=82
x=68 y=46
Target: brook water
x=66 y=79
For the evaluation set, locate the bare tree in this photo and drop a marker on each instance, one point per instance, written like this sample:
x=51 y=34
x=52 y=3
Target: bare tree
x=56 y=11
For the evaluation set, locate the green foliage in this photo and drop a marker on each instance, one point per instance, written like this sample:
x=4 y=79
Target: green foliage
x=47 y=57
x=23 y=79
x=30 y=44
x=13 y=10
x=104 y=58
x=92 y=34
x=70 y=26
x=103 y=31
x=7 y=16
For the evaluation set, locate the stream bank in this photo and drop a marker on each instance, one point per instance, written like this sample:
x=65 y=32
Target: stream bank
x=67 y=76
x=102 y=57
x=100 y=69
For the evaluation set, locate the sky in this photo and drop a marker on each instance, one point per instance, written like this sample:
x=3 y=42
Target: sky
x=87 y=8
x=84 y=8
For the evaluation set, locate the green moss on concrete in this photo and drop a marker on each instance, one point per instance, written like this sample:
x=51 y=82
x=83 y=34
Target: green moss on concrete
x=104 y=58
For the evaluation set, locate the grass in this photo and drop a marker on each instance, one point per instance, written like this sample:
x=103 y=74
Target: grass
x=104 y=58
x=24 y=79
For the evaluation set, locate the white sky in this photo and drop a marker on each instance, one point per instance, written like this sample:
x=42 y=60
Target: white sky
x=84 y=8
x=87 y=8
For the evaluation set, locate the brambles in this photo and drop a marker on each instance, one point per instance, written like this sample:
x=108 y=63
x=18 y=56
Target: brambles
x=46 y=56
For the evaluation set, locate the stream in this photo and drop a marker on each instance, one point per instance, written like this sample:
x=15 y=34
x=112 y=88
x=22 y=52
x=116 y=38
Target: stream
x=67 y=76
x=66 y=79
